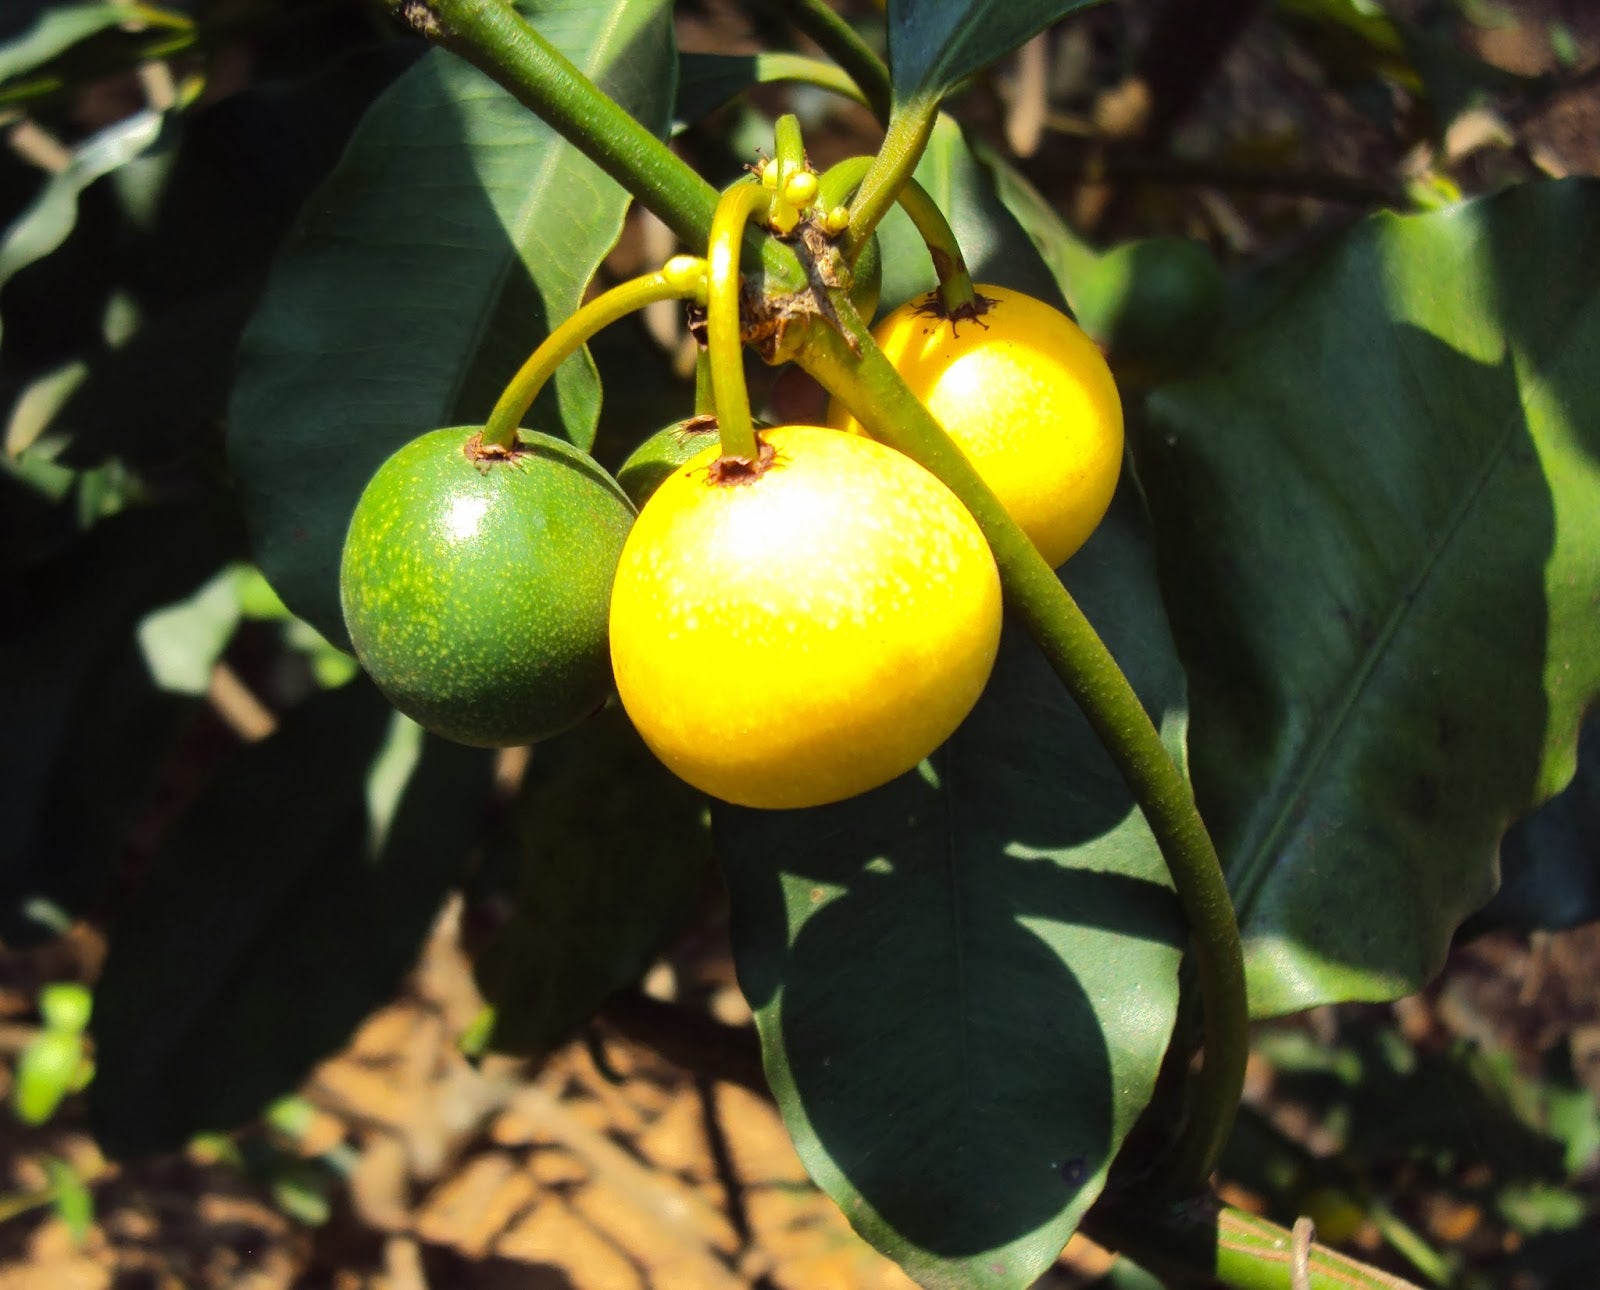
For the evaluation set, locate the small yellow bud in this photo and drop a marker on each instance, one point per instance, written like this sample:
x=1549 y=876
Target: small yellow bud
x=836 y=221
x=686 y=274
x=801 y=188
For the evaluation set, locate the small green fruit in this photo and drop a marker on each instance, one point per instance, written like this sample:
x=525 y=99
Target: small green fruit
x=65 y=1006
x=662 y=453
x=476 y=584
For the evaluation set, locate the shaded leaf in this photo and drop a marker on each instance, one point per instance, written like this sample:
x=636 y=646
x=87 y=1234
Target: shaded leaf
x=455 y=232
x=285 y=907
x=1379 y=529
x=933 y=44
x=965 y=981
x=614 y=854
x=80 y=710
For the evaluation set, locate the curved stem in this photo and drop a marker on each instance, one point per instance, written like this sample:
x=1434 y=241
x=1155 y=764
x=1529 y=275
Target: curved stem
x=500 y=430
x=907 y=137
x=1227 y=1245
x=779 y=66
x=738 y=205
x=956 y=292
x=871 y=388
x=854 y=55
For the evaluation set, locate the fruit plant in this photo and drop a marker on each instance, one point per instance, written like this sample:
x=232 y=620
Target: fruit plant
x=1137 y=651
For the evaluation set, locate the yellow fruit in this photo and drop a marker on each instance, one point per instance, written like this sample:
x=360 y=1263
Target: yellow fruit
x=1029 y=399
x=808 y=633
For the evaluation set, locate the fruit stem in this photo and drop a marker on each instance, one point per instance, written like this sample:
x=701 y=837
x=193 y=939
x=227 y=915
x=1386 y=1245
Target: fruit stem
x=910 y=128
x=956 y=291
x=875 y=392
x=500 y=430
x=839 y=39
x=738 y=206
x=705 y=403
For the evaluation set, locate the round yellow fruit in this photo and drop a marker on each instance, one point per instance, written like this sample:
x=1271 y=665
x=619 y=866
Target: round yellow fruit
x=807 y=632
x=1028 y=398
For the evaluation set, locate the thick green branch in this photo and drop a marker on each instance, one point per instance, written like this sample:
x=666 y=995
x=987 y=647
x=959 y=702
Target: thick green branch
x=499 y=41
x=873 y=390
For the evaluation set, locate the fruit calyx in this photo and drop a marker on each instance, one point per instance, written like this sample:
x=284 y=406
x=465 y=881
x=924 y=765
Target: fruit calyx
x=735 y=472
x=933 y=306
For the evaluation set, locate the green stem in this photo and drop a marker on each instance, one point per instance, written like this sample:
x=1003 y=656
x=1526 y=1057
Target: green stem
x=500 y=430
x=1205 y=1243
x=495 y=38
x=705 y=401
x=778 y=66
x=949 y=265
x=870 y=387
x=907 y=137
x=738 y=205
x=845 y=46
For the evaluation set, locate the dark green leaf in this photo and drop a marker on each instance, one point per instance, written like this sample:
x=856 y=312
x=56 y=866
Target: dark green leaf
x=75 y=693
x=933 y=44
x=965 y=981
x=455 y=232
x=615 y=852
x=287 y=905
x=994 y=245
x=1379 y=525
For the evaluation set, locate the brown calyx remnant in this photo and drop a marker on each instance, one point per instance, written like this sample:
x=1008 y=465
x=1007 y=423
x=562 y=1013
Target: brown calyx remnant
x=422 y=17
x=933 y=307
x=733 y=472
x=700 y=423
x=487 y=455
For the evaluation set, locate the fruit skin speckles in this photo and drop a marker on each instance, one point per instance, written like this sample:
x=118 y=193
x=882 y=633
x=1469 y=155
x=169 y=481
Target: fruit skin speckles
x=475 y=588
x=778 y=642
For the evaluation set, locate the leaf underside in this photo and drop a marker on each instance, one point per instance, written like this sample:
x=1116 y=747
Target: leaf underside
x=934 y=44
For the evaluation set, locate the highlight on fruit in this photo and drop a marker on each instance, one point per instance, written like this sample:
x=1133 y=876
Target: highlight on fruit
x=805 y=631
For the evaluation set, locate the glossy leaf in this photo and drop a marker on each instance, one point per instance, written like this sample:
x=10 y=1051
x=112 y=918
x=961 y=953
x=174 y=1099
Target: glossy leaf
x=993 y=243
x=614 y=854
x=965 y=981
x=286 y=906
x=933 y=44
x=1379 y=529
x=456 y=231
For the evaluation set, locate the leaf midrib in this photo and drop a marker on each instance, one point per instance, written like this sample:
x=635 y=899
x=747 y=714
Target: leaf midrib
x=1259 y=867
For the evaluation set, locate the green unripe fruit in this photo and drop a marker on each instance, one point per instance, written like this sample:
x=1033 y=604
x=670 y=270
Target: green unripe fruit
x=1156 y=302
x=476 y=583
x=662 y=453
